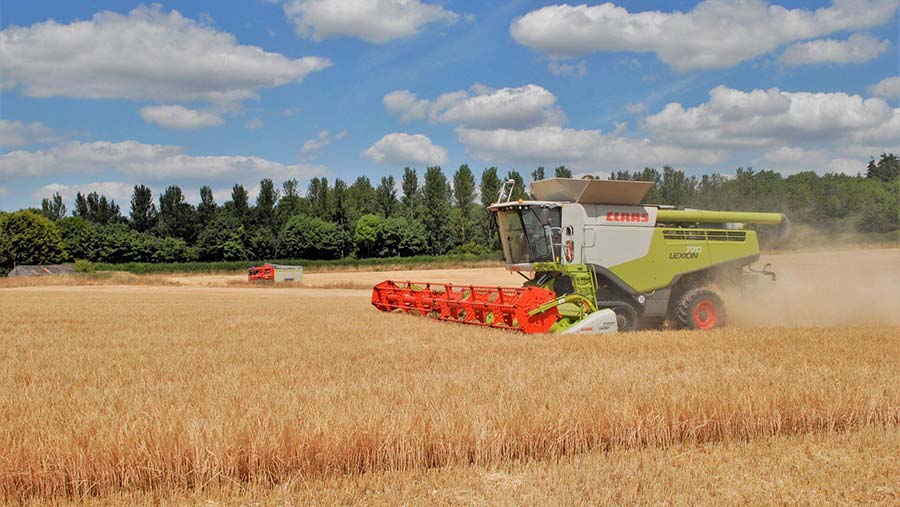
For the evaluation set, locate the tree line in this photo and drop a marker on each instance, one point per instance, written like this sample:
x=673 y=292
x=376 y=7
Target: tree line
x=433 y=215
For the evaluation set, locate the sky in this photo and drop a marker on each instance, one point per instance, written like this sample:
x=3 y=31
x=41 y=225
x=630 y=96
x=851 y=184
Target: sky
x=102 y=95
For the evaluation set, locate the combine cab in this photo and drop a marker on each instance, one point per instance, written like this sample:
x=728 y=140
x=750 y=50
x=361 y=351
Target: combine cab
x=597 y=260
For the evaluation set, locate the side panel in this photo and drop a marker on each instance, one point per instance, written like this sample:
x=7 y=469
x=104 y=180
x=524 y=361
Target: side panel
x=678 y=251
x=619 y=233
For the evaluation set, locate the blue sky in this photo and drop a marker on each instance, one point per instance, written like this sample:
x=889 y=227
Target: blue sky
x=103 y=95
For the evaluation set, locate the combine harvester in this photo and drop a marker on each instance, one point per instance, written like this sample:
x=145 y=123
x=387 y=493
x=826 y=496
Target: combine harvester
x=599 y=261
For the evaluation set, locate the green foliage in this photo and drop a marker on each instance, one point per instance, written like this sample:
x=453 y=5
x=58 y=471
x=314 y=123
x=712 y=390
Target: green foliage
x=398 y=236
x=80 y=238
x=886 y=169
x=436 y=210
x=290 y=203
x=239 y=205
x=386 y=196
x=410 y=186
x=471 y=248
x=53 y=208
x=310 y=238
x=207 y=208
x=29 y=238
x=562 y=172
x=143 y=210
x=96 y=208
x=309 y=265
x=317 y=197
x=361 y=199
x=464 y=194
x=223 y=235
x=5 y=245
x=171 y=250
x=84 y=266
x=519 y=191
x=366 y=235
x=434 y=217
x=490 y=186
x=119 y=243
x=264 y=211
x=177 y=218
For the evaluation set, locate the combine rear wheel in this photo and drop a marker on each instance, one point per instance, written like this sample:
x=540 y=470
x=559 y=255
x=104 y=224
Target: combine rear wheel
x=699 y=308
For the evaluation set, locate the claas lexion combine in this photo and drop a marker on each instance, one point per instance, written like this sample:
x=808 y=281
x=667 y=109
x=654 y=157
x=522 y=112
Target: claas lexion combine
x=598 y=261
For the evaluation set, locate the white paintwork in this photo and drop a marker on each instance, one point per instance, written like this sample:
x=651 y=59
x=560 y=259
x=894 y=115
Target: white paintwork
x=601 y=321
x=288 y=273
x=608 y=235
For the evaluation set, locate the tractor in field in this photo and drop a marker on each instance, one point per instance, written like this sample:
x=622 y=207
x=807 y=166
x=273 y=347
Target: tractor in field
x=598 y=261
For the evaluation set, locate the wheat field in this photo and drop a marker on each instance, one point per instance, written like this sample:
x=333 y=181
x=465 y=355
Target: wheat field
x=156 y=394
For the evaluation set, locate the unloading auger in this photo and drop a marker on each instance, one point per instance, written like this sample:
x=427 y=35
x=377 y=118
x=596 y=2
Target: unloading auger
x=599 y=261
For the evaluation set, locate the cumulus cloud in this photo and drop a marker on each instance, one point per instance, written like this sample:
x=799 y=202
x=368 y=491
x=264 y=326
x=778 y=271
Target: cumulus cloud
x=765 y=118
x=859 y=48
x=589 y=150
x=15 y=133
x=714 y=34
x=794 y=159
x=179 y=118
x=888 y=88
x=377 y=21
x=118 y=191
x=406 y=105
x=406 y=149
x=481 y=107
x=142 y=161
x=145 y=54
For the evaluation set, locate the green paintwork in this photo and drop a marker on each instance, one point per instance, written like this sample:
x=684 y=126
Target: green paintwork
x=572 y=307
x=673 y=251
x=718 y=217
x=691 y=250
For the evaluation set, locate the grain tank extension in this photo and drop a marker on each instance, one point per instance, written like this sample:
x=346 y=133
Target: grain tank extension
x=596 y=260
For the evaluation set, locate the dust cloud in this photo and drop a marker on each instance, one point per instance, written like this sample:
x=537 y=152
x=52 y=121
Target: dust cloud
x=823 y=288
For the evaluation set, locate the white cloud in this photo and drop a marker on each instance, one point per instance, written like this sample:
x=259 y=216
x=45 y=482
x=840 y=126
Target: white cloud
x=15 y=133
x=146 y=54
x=312 y=147
x=563 y=69
x=767 y=118
x=254 y=123
x=888 y=87
x=589 y=150
x=714 y=34
x=406 y=105
x=406 y=149
x=795 y=159
x=118 y=191
x=139 y=160
x=180 y=118
x=636 y=108
x=376 y=21
x=859 y=48
x=481 y=107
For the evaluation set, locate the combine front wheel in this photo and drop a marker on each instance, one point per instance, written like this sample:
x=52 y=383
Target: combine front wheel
x=699 y=308
x=626 y=317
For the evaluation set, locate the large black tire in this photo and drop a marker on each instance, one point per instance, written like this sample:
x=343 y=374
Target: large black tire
x=626 y=317
x=699 y=308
